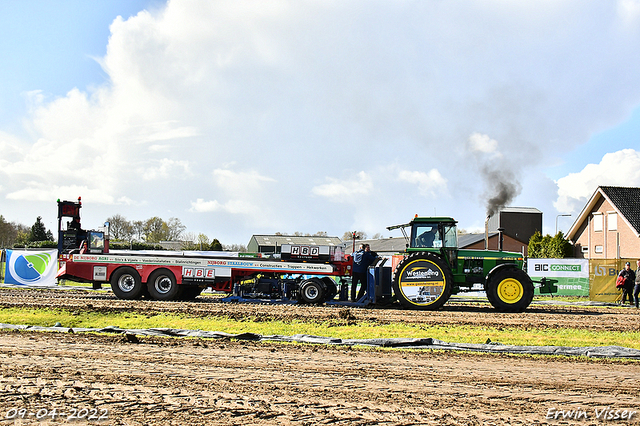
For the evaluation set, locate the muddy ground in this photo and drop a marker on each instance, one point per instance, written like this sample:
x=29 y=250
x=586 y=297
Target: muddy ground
x=160 y=381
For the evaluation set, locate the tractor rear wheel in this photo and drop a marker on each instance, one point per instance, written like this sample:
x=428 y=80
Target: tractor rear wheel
x=510 y=290
x=422 y=281
x=312 y=291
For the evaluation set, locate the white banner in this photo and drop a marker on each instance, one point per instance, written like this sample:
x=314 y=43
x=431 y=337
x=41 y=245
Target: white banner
x=32 y=268
x=572 y=268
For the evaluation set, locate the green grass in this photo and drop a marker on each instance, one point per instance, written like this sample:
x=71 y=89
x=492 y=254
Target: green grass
x=334 y=328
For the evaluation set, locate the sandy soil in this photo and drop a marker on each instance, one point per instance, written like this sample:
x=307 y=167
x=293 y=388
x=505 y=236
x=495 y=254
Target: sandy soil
x=157 y=381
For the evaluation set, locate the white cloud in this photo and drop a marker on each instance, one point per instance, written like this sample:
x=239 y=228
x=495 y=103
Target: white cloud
x=629 y=10
x=232 y=206
x=40 y=192
x=244 y=192
x=344 y=190
x=166 y=168
x=483 y=143
x=267 y=114
x=621 y=168
x=431 y=183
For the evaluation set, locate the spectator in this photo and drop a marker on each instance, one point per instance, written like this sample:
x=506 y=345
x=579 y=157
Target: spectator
x=629 y=279
x=636 y=290
x=361 y=261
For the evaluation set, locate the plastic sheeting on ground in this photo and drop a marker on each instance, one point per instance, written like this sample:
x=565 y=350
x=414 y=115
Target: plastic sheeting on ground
x=424 y=343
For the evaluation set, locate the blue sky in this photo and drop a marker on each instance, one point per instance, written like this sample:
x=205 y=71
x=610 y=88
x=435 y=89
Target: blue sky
x=260 y=117
x=51 y=46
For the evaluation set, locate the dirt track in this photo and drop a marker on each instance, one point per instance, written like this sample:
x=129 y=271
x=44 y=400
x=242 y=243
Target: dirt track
x=480 y=313
x=182 y=381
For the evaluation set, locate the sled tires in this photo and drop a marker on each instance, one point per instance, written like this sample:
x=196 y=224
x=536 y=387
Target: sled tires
x=126 y=283
x=162 y=285
x=312 y=291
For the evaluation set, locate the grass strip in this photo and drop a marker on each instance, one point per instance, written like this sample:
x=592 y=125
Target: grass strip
x=334 y=328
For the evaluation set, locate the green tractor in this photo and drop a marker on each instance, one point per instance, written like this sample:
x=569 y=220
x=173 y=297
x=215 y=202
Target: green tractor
x=434 y=268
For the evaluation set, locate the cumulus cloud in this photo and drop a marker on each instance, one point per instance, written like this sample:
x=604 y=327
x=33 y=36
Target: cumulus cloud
x=621 y=168
x=244 y=192
x=239 y=115
x=345 y=190
x=483 y=143
x=430 y=183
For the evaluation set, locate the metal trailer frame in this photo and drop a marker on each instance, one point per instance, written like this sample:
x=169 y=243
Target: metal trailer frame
x=378 y=290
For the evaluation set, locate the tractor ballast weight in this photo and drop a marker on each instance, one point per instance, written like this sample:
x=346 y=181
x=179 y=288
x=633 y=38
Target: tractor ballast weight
x=433 y=268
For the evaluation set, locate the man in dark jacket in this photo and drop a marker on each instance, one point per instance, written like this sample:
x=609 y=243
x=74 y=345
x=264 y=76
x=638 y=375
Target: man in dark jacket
x=636 y=290
x=361 y=261
x=629 y=280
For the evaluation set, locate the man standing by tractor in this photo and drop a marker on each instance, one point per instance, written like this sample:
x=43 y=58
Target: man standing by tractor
x=361 y=261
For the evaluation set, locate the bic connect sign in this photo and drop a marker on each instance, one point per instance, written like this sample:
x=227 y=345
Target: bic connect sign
x=572 y=275
x=545 y=267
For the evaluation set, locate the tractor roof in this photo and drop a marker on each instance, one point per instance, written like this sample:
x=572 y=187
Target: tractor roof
x=439 y=219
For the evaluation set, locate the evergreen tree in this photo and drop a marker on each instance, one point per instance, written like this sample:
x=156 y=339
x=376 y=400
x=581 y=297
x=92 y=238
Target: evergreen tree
x=39 y=232
x=215 y=245
x=549 y=247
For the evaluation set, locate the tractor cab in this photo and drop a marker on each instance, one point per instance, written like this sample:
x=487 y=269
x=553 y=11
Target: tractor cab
x=432 y=234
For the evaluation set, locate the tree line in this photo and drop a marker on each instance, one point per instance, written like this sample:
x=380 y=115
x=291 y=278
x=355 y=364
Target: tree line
x=150 y=232
x=14 y=234
x=155 y=230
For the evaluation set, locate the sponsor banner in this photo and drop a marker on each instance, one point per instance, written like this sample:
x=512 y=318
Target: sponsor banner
x=32 y=268
x=571 y=276
x=603 y=274
x=239 y=263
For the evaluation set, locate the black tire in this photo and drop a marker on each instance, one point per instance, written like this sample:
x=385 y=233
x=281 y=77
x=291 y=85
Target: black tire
x=312 y=291
x=190 y=292
x=332 y=289
x=126 y=283
x=162 y=285
x=423 y=291
x=510 y=290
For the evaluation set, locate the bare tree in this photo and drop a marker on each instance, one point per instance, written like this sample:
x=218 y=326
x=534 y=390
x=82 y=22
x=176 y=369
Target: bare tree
x=235 y=247
x=175 y=229
x=12 y=232
x=120 y=229
x=138 y=229
x=155 y=230
x=359 y=235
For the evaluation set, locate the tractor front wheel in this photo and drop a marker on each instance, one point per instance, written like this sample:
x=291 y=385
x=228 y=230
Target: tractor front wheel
x=510 y=290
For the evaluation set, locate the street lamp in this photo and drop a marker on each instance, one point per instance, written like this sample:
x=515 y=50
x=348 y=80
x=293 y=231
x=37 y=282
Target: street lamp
x=557 y=216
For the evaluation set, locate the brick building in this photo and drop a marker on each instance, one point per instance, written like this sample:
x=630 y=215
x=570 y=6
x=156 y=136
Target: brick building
x=609 y=225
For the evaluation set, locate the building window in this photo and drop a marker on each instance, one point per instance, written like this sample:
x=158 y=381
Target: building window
x=598 y=249
x=612 y=221
x=597 y=222
x=585 y=249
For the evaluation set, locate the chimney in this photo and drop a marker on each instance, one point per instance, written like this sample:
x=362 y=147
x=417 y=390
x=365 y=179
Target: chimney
x=486 y=233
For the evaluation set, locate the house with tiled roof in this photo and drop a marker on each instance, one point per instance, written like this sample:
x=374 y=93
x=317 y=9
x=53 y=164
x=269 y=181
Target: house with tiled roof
x=609 y=225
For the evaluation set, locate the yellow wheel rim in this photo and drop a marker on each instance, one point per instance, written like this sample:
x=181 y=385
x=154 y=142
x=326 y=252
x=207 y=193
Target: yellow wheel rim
x=510 y=290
